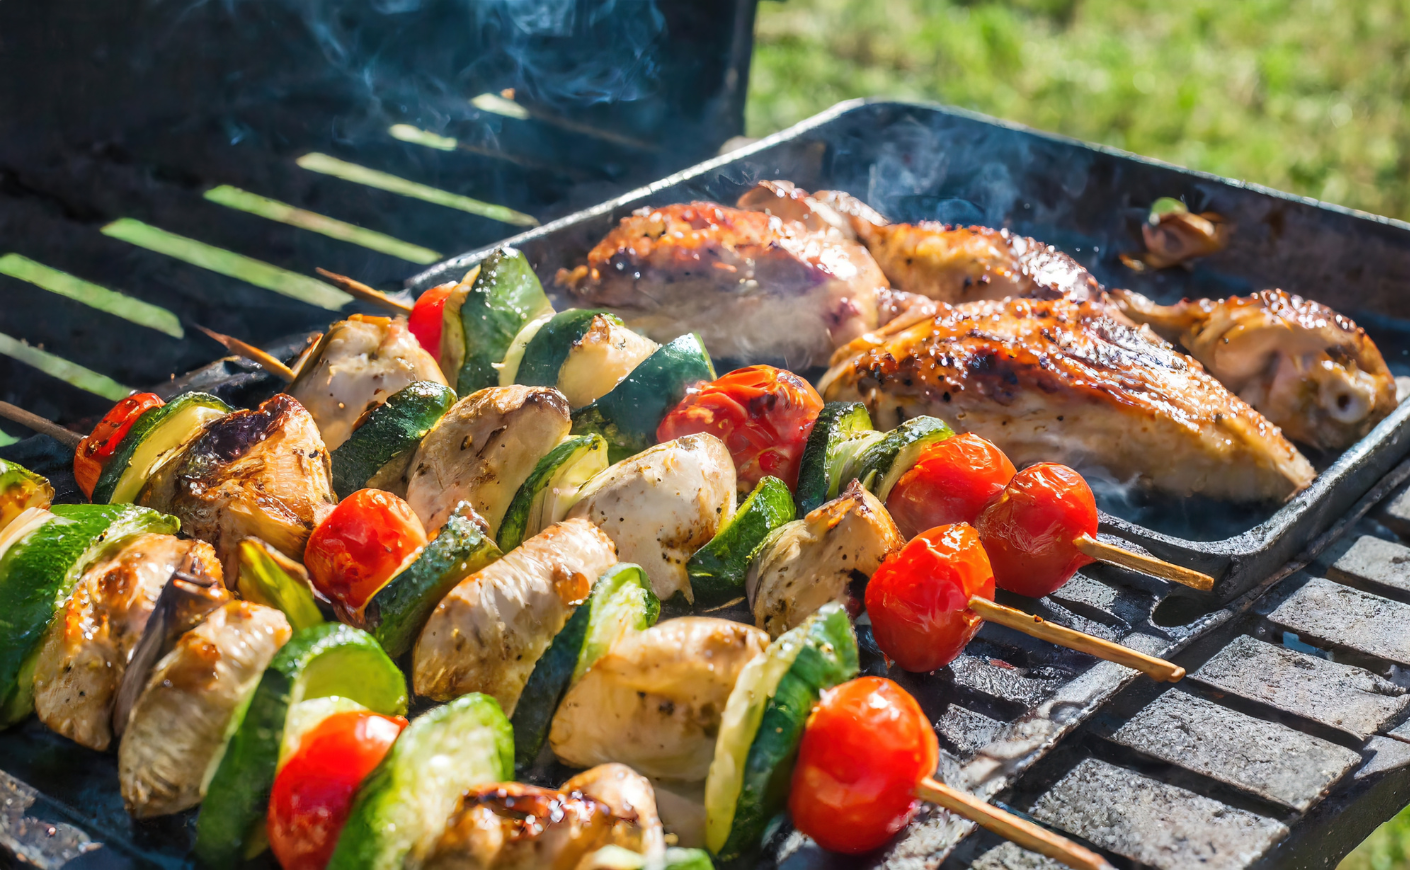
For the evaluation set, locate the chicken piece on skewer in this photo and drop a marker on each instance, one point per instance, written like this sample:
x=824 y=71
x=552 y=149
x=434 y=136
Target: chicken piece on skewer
x=88 y=647
x=1058 y=381
x=1311 y=371
x=262 y=473
x=753 y=285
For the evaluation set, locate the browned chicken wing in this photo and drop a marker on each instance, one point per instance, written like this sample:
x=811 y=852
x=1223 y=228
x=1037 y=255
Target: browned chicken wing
x=263 y=472
x=1311 y=371
x=1061 y=381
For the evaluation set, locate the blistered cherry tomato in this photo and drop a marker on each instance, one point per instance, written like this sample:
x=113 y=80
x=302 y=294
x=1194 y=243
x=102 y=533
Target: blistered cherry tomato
x=94 y=451
x=918 y=599
x=951 y=482
x=314 y=789
x=1030 y=528
x=763 y=414
x=425 y=318
x=360 y=544
x=866 y=746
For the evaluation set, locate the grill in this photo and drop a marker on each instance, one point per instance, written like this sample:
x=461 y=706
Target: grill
x=1293 y=711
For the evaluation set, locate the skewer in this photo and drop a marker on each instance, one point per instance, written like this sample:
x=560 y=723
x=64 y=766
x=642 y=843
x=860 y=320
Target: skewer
x=1036 y=626
x=39 y=424
x=1104 y=552
x=360 y=290
x=264 y=359
x=1019 y=831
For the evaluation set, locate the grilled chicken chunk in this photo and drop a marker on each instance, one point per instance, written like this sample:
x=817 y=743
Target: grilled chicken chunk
x=355 y=367
x=598 y=361
x=488 y=633
x=826 y=556
x=482 y=450
x=655 y=701
x=87 y=648
x=1313 y=373
x=753 y=285
x=263 y=472
x=178 y=727
x=628 y=795
x=1060 y=381
x=662 y=505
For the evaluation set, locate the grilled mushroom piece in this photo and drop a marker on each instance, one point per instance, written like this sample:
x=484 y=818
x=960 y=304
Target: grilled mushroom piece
x=656 y=700
x=489 y=631
x=356 y=366
x=482 y=450
x=662 y=505
x=826 y=556
x=262 y=473
x=178 y=727
x=87 y=649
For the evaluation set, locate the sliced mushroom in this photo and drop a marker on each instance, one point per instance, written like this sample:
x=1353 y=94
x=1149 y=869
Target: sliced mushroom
x=488 y=633
x=655 y=702
x=482 y=450
x=823 y=557
x=662 y=505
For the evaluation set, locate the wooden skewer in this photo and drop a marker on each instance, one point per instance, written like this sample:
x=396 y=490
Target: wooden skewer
x=39 y=424
x=1020 y=831
x=264 y=359
x=367 y=294
x=1145 y=564
x=1037 y=626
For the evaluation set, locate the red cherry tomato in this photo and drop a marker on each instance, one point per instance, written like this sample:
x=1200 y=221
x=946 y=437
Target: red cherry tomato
x=951 y=483
x=360 y=544
x=314 y=789
x=425 y=318
x=1030 y=528
x=763 y=415
x=918 y=599
x=866 y=746
x=94 y=451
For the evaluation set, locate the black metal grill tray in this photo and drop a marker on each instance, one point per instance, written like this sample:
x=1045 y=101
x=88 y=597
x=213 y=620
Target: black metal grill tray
x=919 y=162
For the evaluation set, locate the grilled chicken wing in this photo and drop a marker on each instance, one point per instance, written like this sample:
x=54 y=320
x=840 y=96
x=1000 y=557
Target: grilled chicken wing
x=179 y=725
x=86 y=650
x=1312 y=372
x=356 y=366
x=1056 y=380
x=263 y=472
x=488 y=633
x=655 y=701
x=753 y=285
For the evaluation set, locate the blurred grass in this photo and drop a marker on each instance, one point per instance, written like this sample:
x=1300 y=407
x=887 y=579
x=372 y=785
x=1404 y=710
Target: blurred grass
x=1311 y=96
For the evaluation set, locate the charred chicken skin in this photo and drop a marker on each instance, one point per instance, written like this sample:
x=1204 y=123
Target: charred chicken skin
x=1054 y=380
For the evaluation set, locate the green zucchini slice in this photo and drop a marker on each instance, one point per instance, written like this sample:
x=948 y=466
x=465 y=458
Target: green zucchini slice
x=399 y=609
x=379 y=449
x=21 y=489
x=840 y=426
x=401 y=809
x=621 y=601
x=628 y=416
x=158 y=436
x=318 y=662
x=544 y=355
x=271 y=578
x=881 y=464
x=717 y=570
x=509 y=367
x=763 y=725
x=502 y=299
x=42 y=560
x=552 y=488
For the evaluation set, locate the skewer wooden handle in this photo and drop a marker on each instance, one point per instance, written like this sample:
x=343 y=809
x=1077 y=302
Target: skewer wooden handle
x=1037 y=626
x=259 y=356
x=1019 y=831
x=40 y=425
x=1103 y=552
x=354 y=287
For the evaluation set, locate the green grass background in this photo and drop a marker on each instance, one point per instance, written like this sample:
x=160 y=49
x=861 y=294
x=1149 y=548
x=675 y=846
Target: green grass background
x=1311 y=96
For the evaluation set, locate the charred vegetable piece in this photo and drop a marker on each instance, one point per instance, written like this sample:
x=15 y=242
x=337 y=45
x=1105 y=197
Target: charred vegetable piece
x=380 y=448
x=94 y=451
x=154 y=439
x=20 y=489
x=718 y=569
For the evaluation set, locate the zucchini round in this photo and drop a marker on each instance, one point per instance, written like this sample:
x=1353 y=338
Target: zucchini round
x=380 y=448
x=763 y=725
x=545 y=354
x=839 y=427
x=717 y=570
x=552 y=488
x=503 y=298
x=880 y=465
x=509 y=366
x=318 y=662
x=158 y=435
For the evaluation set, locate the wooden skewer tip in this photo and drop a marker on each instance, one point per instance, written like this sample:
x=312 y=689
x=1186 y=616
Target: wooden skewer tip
x=356 y=288
x=261 y=357
x=1104 y=552
x=39 y=424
